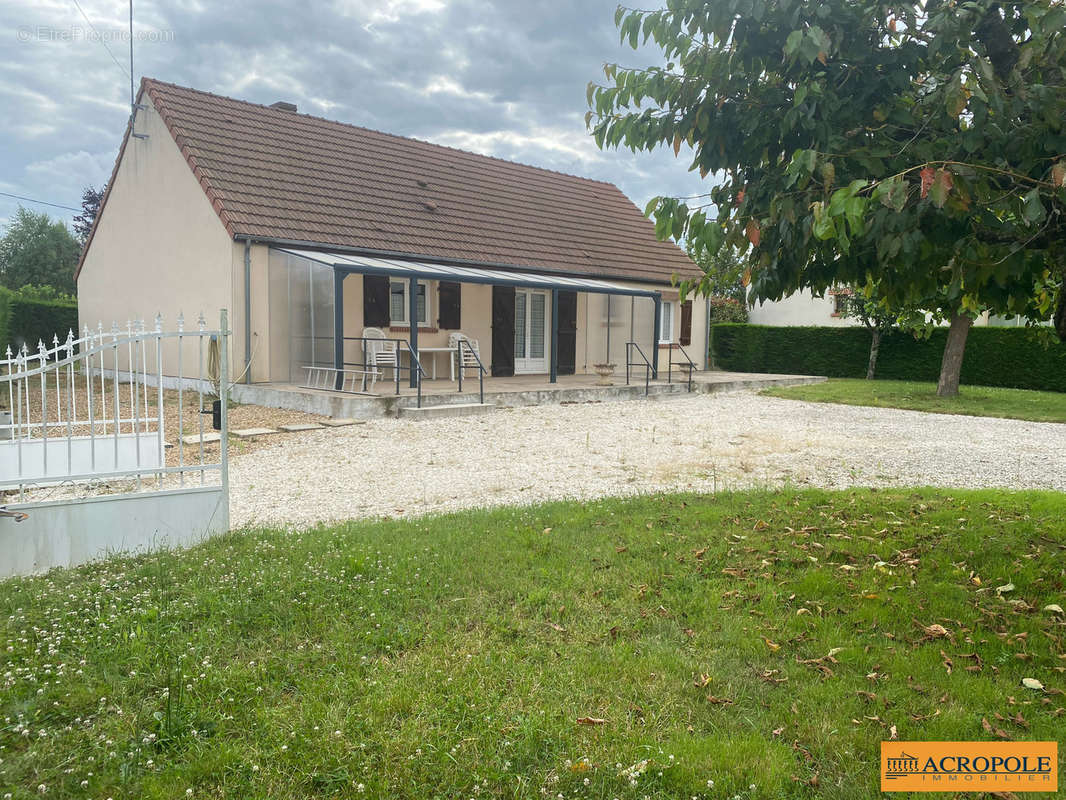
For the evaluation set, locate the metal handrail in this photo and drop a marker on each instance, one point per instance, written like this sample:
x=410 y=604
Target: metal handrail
x=670 y=366
x=414 y=363
x=481 y=368
x=630 y=363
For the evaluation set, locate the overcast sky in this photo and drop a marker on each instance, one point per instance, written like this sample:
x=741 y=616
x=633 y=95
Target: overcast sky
x=500 y=77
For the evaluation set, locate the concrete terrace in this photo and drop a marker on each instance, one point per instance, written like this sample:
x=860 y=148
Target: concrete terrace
x=510 y=392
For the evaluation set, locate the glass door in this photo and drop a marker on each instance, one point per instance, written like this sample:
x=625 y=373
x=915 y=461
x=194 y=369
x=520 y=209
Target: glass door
x=530 y=331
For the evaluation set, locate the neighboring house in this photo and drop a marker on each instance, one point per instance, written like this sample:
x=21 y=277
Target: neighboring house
x=311 y=231
x=803 y=308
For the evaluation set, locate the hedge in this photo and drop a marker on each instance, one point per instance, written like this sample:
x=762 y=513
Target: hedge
x=1011 y=357
x=23 y=320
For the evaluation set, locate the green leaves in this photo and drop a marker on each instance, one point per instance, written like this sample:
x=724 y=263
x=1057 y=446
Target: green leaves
x=847 y=149
x=942 y=183
x=892 y=193
x=808 y=45
x=1033 y=211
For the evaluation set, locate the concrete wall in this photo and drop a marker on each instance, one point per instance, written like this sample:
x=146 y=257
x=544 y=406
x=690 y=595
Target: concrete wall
x=159 y=246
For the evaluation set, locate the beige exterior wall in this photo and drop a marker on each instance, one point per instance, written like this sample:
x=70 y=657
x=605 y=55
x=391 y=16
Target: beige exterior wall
x=159 y=246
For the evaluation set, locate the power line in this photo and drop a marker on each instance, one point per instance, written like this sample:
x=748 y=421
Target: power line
x=101 y=39
x=38 y=202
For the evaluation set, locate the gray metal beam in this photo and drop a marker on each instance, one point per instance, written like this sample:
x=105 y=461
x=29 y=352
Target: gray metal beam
x=553 y=370
x=655 y=336
x=338 y=326
x=412 y=318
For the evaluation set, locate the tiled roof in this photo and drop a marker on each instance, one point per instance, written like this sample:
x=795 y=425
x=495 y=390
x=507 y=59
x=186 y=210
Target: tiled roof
x=282 y=175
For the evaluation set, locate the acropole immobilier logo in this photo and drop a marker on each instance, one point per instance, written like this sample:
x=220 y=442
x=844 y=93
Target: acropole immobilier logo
x=969 y=766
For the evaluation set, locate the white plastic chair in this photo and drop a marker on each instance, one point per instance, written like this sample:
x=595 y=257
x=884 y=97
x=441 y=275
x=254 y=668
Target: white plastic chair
x=380 y=354
x=466 y=355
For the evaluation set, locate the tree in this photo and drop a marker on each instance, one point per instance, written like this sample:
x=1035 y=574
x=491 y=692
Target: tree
x=723 y=273
x=38 y=250
x=879 y=319
x=918 y=146
x=90 y=207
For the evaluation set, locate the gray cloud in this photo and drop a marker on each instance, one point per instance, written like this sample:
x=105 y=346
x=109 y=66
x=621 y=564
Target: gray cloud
x=502 y=78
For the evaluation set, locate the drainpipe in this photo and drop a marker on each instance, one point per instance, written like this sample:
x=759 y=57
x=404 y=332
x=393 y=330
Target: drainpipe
x=247 y=310
x=707 y=339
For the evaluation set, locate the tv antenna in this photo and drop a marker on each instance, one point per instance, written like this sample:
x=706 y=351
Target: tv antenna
x=134 y=105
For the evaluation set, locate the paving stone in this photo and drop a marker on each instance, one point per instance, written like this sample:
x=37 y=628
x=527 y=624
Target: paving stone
x=194 y=438
x=251 y=433
x=314 y=426
x=340 y=422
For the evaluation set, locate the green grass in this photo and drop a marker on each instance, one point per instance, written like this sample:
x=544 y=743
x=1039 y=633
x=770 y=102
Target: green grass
x=454 y=656
x=978 y=401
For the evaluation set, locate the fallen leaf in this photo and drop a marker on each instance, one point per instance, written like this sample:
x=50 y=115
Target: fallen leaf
x=892 y=734
x=718 y=701
x=1032 y=683
x=948 y=665
x=1007 y=587
x=1054 y=608
x=774 y=647
x=591 y=721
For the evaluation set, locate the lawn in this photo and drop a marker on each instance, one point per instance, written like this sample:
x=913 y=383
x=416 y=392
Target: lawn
x=978 y=401
x=752 y=645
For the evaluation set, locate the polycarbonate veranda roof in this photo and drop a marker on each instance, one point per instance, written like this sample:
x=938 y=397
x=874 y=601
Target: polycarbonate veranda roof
x=351 y=263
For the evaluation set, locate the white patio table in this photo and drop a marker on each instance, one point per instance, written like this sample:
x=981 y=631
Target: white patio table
x=433 y=359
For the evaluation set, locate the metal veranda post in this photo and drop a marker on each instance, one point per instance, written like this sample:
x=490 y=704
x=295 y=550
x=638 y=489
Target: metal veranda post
x=338 y=327
x=553 y=373
x=412 y=318
x=658 y=298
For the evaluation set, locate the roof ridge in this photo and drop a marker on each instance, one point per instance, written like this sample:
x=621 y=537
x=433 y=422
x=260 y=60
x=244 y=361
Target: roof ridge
x=155 y=81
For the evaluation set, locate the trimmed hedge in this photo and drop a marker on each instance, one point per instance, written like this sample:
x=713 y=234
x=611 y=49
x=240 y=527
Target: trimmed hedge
x=23 y=320
x=1011 y=357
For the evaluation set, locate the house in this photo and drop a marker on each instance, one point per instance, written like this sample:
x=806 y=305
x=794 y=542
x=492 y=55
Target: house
x=805 y=308
x=313 y=232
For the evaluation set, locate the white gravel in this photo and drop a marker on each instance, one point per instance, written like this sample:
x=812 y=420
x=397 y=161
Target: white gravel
x=393 y=467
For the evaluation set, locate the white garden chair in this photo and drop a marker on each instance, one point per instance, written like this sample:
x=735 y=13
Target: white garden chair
x=379 y=354
x=466 y=355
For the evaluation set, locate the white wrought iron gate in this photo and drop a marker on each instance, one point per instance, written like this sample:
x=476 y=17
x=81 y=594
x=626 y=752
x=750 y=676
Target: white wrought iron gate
x=87 y=467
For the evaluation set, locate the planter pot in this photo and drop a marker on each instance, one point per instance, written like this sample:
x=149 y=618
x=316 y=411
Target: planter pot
x=605 y=371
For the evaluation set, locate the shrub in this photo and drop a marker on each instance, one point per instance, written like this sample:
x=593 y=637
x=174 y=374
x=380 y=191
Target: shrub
x=1011 y=357
x=24 y=319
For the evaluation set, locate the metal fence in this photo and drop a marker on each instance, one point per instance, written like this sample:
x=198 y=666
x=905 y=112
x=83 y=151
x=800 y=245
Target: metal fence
x=107 y=415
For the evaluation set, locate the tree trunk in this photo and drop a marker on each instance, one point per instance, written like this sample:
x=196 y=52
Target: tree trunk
x=875 y=345
x=951 y=365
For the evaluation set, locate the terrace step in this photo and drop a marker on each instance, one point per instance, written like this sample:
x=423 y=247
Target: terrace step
x=445 y=411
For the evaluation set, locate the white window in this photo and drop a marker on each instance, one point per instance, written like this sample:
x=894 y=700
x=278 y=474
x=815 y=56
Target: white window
x=666 y=323
x=398 y=303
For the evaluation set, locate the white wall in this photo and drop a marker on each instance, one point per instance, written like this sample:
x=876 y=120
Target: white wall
x=159 y=246
x=801 y=308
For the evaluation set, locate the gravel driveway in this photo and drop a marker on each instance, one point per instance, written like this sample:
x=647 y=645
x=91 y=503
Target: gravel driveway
x=393 y=467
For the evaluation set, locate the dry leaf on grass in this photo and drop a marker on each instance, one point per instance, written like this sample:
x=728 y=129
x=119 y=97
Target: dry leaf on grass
x=591 y=721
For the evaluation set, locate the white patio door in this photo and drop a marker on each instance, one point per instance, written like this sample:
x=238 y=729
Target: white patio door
x=530 y=331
